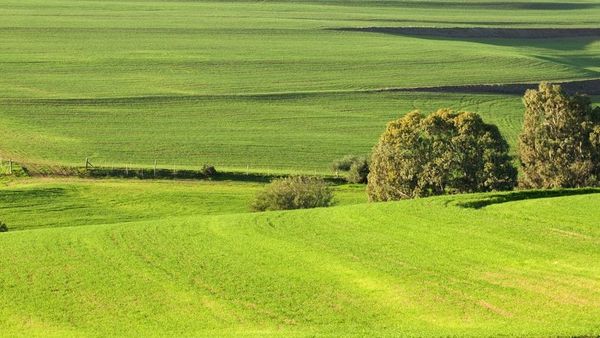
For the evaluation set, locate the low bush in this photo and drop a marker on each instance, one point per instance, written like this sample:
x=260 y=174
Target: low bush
x=344 y=163
x=359 y=171
x=297 y=192
x=357 y=168
x=208 y=170
x=3 y=227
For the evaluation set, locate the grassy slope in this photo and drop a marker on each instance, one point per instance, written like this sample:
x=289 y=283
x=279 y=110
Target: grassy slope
x=423 y=267
x=46 y=203
x=83 y=55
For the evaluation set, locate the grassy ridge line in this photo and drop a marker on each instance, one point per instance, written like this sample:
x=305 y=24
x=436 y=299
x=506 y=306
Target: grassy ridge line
x=421 y=267
x=583 y=85
x=28 y=204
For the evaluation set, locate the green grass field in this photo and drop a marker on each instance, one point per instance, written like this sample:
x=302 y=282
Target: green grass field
x=256 y=84
x=275 y=87
x=422 y=267
x=292 y=133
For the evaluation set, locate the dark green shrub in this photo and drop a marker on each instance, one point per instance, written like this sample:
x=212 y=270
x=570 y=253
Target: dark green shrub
x=357 y=168
x=208 y=170
x=344 y=163
x=359 y=171
x=3 y=227
x=297 y=192
x=444 y=152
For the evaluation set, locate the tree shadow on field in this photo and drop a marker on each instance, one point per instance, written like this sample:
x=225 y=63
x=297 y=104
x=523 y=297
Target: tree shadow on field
x=582 y=63
x=569 y=44
x=524 y=195
x=481 y=5
x=30 y=194
x=560 y=39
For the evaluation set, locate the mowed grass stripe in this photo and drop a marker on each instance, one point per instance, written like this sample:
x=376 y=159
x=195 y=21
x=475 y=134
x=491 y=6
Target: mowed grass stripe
x=414 y=267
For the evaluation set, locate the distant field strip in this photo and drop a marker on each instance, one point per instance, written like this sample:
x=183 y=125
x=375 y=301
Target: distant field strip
x=303 y=132
x=90 y=49
x=589 y=87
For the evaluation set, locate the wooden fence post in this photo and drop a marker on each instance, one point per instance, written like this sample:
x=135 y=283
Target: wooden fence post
x=154 y=168
x=88 y=164
x=10 y=167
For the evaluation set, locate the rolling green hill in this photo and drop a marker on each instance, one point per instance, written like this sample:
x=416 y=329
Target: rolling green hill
x=258 y=84
x=47 y=203
x=423 y=267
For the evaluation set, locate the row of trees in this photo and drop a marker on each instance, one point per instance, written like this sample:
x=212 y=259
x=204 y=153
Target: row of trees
x=450 y=152
x=456 y=152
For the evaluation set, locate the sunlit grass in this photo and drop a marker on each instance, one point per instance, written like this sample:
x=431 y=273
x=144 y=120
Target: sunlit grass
x=422 y=267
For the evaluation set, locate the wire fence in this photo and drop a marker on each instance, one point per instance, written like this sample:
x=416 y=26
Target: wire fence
x=153 y=171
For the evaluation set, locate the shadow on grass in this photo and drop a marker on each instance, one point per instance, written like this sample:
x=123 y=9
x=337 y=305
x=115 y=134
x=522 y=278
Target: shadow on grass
x=185 y=174
x=524 y=195
x=19 y=195
x=589 y=87
x=467 y=5
x=561 y=39
x=480 y=32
